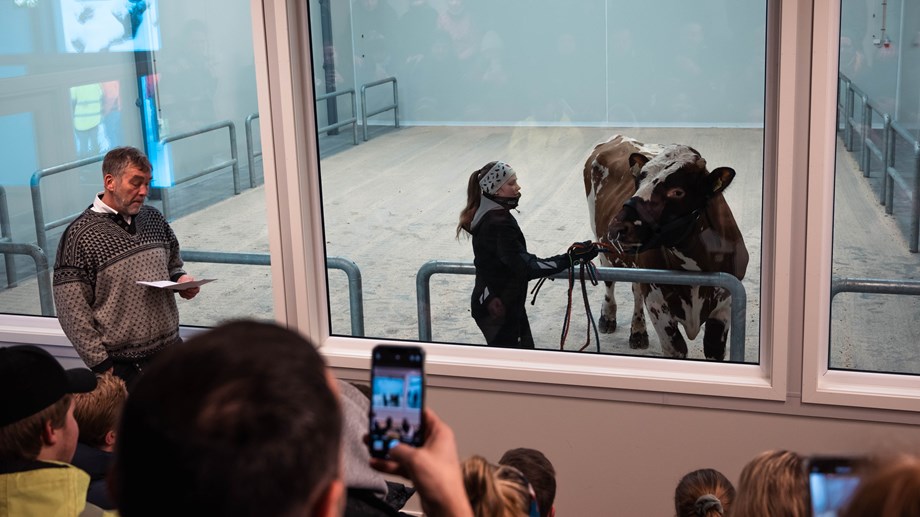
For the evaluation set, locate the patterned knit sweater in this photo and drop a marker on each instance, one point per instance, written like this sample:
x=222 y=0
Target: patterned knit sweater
x=103 y=311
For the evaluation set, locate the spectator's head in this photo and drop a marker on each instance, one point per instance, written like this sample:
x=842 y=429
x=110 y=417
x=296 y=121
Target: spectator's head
x=36 y=405
x=774 y=483
x=891 y=489
x=539 y=472
x=240 y=420
x=497 y=491
x=119 y=159
x=703 y=493
x=98 y=411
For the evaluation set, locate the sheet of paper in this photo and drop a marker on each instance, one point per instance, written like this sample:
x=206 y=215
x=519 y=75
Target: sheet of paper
x=176 y=286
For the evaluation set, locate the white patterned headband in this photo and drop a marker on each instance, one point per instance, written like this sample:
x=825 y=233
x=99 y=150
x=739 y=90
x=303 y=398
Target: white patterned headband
x=497 y=176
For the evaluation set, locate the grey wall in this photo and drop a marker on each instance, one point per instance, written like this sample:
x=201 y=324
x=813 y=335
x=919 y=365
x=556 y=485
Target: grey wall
x=597 y=62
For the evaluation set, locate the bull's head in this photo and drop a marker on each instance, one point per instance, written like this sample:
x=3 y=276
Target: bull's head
x=672 y=190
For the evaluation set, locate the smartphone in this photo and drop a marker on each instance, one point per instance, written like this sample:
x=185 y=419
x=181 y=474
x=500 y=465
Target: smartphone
x=831 y=483
x=397 y=398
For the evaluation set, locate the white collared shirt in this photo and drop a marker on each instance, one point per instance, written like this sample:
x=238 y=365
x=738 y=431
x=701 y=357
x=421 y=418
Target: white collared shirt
x=100 y=207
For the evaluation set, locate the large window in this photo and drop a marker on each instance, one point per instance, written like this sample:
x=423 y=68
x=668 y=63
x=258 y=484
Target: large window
x=177 y=80
x=447 y=87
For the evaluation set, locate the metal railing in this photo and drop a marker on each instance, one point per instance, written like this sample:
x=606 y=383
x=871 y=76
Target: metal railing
x=232 y=162
x=874 y=286
x=891 y=131
x=355 y=291
x=354 y=113
x=42 y=271
x=395 y=106
x=6 y=235
x=658 y=276
x=251 y=155
x=38 y=214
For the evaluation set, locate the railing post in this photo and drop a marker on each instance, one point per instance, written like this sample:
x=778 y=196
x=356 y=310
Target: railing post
x=250 y=152
x=886 y=162
x=867 y=127
x=234 y=155
x=915 y=208
x=848 y=117
x=7 y=236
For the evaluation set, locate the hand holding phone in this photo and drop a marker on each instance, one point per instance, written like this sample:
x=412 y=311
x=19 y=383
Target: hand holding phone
x=397 y=398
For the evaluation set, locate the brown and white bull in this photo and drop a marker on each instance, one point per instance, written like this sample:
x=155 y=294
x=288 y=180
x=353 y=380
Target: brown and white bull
x=660 y=208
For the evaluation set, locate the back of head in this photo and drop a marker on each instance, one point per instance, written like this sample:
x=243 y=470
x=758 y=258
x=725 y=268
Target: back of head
x=773 y=484
x=703 y=493
x=496 y=491
x=539 y=472
x=891 y=489
x=36 y=389
x=240 y=420
x=98 y=411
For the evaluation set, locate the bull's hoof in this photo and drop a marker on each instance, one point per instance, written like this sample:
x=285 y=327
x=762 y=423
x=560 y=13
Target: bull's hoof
x=638 y=341
x=606 y=326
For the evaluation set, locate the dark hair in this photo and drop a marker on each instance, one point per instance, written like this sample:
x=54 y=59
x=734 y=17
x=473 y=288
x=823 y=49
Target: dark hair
x=240 y=420
x=703 y=493
x=473 y=198
x=539 y=472
x=120 y=158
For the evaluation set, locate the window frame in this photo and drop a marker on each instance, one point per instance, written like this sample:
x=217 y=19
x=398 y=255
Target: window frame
x=795 y=285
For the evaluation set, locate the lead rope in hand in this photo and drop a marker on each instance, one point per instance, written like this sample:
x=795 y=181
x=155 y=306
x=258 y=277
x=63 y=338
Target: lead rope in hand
x=592 y=272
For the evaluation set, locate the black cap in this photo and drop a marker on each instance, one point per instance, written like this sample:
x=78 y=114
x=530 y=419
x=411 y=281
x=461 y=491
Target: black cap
x=31 y=379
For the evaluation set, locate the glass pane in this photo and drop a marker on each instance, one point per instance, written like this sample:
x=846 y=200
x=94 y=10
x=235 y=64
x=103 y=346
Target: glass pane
x=874 y=324
x=415 y=96
x=174 y=79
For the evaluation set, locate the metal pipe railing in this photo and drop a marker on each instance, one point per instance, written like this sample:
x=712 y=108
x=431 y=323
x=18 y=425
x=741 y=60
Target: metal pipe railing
x=38 y=214
x=891 y=176
x=658 y=276
x=874 y=286
x=354 y=113
x=6 y=235
x=42 y=271
x=232 y=162
x=394 y=106
x=251 y=155
x=355 y=290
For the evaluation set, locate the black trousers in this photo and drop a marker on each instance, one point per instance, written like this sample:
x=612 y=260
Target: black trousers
x=509 y=331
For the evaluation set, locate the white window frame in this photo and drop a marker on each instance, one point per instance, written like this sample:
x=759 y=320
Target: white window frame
x=791 y=377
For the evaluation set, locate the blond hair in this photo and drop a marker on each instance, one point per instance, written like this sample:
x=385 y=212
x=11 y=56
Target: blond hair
x=496 y=491
x=98 y=411
x=773 y=484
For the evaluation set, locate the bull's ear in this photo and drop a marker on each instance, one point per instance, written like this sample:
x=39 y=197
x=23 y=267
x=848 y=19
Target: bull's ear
x=637 y=161
x=719 y=179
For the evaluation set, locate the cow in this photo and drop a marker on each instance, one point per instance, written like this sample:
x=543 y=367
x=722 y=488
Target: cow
x=658 y=207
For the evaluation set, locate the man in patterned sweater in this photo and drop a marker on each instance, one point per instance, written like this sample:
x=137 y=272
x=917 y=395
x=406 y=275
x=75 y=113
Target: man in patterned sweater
x=113 y=322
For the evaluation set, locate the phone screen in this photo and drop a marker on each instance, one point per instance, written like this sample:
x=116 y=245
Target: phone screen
x=832 y=482
x=397 y=397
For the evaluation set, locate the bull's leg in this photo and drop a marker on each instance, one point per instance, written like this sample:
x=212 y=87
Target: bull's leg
x=607 y=323
x=715 y=334
x=638 y=332
x=666 y=326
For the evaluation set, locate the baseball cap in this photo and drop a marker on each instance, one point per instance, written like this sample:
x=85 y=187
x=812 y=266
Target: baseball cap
x=31 y=379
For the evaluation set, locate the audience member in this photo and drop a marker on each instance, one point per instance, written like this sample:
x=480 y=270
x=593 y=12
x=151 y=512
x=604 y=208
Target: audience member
x=539 y=471
x=773 y=484
x=38 y=434
x=498 y=491
x=369 y=494
x=244 y=420
x=97 y=414
x=891 y=489
x=703 y=493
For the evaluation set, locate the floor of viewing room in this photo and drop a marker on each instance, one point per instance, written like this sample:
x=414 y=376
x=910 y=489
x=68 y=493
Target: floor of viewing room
x=391 y=204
